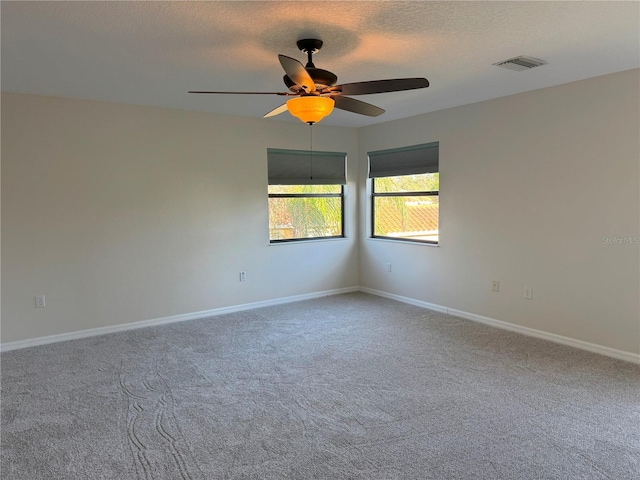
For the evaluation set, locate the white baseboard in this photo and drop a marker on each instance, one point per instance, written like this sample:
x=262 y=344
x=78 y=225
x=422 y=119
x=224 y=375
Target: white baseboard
x=552 y=337
x=572 y=342
x=33 y=342
x=400 y=298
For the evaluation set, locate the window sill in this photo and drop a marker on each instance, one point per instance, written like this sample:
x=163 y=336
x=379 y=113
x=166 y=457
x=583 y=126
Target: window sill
x=308 y=240
x=403 y=240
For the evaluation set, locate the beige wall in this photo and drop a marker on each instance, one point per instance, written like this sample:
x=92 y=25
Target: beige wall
x=121 y=213
x=530 y=185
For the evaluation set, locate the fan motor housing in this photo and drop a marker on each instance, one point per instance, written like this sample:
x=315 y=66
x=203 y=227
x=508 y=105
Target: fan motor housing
x=322 y=79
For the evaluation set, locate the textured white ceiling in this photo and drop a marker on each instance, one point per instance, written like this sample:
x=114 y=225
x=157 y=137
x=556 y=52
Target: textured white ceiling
x=152 y=53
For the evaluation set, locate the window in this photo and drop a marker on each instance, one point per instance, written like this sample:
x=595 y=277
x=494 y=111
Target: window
x=405 y=192
x=306 y=195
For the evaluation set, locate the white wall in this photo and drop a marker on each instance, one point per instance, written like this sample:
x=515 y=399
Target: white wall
x=530 y=185
x=121 y=213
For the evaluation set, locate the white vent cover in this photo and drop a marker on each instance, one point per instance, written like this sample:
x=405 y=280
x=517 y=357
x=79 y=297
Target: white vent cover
x=520 y=63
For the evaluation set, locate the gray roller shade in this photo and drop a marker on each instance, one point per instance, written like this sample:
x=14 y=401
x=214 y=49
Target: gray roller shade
x=300 y=167
x=411 y=160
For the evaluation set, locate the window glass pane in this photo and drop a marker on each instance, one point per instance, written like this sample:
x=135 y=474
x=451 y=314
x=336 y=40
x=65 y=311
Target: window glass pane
x=305 y=217
x=305 y=188
x=425 y=182
x=410 y=217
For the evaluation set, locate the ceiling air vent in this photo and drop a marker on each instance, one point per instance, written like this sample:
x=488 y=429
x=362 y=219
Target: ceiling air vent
x=520 y=63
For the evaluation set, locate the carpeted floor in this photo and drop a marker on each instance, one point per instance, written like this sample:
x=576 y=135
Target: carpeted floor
x=346 y=387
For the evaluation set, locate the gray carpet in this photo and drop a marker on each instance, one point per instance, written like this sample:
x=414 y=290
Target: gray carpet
x=346 y=387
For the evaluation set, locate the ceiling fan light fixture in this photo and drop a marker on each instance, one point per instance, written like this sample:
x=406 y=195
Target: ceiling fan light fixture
x=310 y=109
x=317 y=93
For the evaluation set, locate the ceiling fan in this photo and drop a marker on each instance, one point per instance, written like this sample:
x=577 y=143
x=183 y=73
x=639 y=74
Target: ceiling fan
x=316 y=92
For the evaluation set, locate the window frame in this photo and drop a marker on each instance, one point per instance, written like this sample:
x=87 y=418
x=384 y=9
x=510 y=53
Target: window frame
x=299 y=168
x=422 y=193
x=400 y=162
x=340 y=195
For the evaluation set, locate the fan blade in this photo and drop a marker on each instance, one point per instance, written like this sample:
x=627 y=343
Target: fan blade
x=297 y=73
x=356 y=106
x=245 y=93
x=277 y=111
x=381 y=86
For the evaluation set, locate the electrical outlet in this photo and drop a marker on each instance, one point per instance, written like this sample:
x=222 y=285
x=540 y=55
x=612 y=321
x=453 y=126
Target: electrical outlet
x=495 y=286
x=528 y=293
x=40 y=301
x=389 y=267
x=243 y=276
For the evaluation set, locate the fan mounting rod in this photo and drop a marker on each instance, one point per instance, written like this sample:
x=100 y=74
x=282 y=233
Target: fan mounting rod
x=309 y=46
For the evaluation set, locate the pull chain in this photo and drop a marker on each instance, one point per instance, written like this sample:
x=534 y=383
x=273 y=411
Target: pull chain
x=311 y=151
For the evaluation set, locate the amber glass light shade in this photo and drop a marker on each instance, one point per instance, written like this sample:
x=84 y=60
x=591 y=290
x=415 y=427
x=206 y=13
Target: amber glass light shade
x=310 y=109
